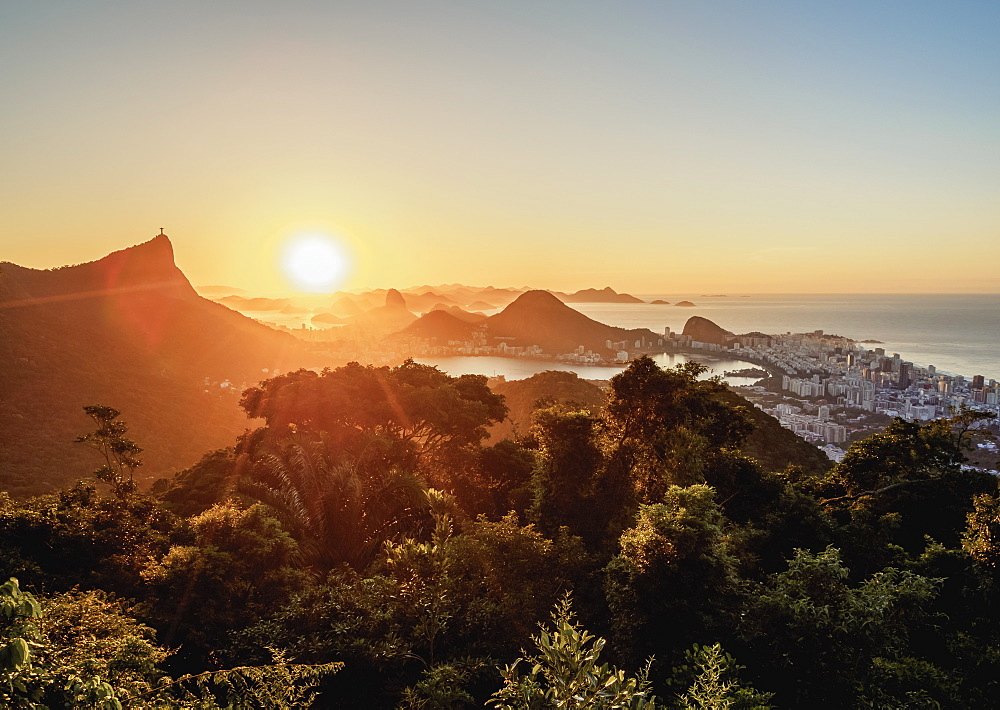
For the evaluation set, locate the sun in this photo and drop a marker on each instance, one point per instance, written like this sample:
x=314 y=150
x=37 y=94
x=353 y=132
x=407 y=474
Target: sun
x=314 y=262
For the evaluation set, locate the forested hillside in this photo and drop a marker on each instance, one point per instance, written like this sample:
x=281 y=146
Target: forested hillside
x=127 y=329
x=366 y=546
x=773 y=446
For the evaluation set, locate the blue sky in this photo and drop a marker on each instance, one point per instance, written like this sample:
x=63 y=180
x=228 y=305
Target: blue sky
x=655 y=146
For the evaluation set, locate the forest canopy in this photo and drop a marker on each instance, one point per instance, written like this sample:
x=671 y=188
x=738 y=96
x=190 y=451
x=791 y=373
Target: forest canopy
x=367 y=546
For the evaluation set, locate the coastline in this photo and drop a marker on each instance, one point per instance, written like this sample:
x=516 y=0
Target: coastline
x=519 y=367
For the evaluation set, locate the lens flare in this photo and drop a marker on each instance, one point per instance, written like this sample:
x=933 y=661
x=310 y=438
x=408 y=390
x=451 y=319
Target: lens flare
x=314 y=262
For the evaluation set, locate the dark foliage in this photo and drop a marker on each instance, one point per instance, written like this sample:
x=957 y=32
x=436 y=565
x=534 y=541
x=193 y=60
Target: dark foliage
x=366 y=523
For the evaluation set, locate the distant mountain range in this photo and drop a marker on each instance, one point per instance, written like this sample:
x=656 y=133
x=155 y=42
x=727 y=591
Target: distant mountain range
x=421 y=299
x=592 y=295
x=129 y=331
x=534 y=318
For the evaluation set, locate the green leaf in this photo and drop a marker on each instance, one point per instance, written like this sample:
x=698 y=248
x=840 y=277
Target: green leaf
x=18 y=652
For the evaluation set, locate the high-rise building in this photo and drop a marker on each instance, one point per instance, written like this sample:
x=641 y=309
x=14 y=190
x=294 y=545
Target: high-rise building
x=904 y=374
x=978 y=381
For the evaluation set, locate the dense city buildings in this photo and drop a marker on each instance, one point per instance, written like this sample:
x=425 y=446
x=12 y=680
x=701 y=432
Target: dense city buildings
x=832 y=389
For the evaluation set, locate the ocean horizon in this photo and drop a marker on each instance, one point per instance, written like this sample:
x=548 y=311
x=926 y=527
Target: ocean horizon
x=957 y=333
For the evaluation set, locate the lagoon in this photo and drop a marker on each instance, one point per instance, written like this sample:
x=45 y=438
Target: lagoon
x=519 y=368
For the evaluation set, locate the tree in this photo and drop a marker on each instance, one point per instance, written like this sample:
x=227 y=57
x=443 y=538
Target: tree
x=673 y=581
x=712 y=679
x=21 y=685
x=821 y=642
x=905 y=483
x=279 y=685
x=411 y=418
x=982 y=533
x=34 y=672
x=564 y=673
x=663 y=424
x=91 y=634
x=566 y=475
x=197 y=488
x=79 y=537
x=121 y=454
x=80 y=650
x=336 y=511
x=241 y=567
x=416 y=404
x=505 y=468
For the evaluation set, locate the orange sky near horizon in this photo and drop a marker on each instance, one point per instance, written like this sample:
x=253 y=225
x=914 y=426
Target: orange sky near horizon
x=653 y=147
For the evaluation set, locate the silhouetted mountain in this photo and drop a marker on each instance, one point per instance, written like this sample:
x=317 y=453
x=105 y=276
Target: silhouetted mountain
x=480 y=306
x=215 y=292
x=346 y=306
x=423 y=302
x=604 y=295
x=391 y=317
x=460 y=314
x=705 y=331
x=440 y=326
x=127 y=331
x=239 y=303
x=469 y=295
x=367 y=300
x=394 y=299
x=327 y=319
x=539 y=318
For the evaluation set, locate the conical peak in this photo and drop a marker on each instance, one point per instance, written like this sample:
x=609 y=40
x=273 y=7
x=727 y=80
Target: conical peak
x=394 y=299
x=537 y=297
x=705 y=330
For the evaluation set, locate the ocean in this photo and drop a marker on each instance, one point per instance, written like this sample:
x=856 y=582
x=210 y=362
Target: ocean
x=957 y=333
x=516 y=368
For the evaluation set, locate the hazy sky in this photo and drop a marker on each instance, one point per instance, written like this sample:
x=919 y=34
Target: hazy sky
x=660 y=146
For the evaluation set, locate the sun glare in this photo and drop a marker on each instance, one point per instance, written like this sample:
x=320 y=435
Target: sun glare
x=314 y=262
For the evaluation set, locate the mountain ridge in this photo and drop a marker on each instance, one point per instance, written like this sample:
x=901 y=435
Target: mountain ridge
x=541 y=318
x=129 y=331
